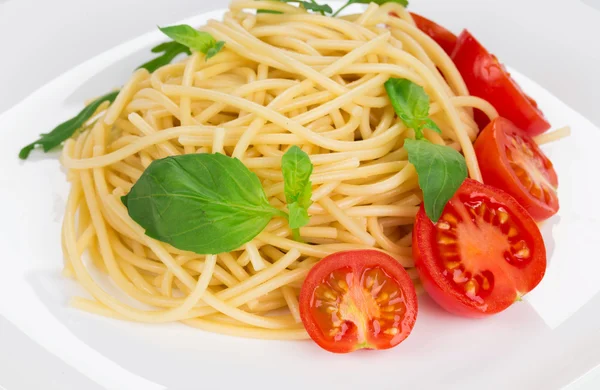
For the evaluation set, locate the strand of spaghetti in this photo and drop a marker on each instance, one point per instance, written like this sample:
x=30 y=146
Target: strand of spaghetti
x=306 y=84
x=285 y=122
x=124 y=96
x=468 y=101
x=347 y=222
x=553 y=135
x=126 y=151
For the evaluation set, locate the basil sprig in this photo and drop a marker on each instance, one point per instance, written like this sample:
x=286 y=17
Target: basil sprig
x=411 y=104
x=195 y=40
x=441 y=169
x=297 y=168
x=66 y=129
x=204 y=203
x=212 y=203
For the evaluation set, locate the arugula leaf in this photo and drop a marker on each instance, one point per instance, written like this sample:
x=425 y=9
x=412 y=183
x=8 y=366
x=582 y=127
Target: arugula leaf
x=268 y=11
x=411 y=104
x=204 y=203
x=311 y=5
x=66 y=129
x=441 y=171
x=170 y=50
x=403 y=3
x=196 y=40
x=297 y=168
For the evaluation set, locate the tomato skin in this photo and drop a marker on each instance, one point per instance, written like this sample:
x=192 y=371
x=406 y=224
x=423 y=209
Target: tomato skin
x=491 y=150
x=443 y=37
x=359 y=261
x=488 y=79
x=508 y=286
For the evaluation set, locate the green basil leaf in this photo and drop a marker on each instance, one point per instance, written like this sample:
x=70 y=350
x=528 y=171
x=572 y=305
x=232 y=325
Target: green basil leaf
x=297 y=168
x=411 y=104
x=441 y=171
x=170 y=50
x=298 y=215
x=204 y=203
x=215 y=49
x=65 y=130
x=196 y=40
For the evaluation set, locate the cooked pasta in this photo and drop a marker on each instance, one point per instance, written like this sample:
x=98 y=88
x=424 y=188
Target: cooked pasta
x=295 y=78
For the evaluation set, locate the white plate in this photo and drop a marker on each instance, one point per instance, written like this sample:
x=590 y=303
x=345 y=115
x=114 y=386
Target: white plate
x=544 y=343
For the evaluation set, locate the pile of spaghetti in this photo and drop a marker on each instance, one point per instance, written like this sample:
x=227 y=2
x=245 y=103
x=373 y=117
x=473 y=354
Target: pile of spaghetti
x=282 y=79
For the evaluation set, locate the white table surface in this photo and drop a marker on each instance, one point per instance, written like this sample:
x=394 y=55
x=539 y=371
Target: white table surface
x=554 y=42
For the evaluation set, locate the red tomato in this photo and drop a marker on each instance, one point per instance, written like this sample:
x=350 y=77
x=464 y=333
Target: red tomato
x=358 y=299
x=509 y=159
x=487 y=78
x=484 y=253
x=443 y=37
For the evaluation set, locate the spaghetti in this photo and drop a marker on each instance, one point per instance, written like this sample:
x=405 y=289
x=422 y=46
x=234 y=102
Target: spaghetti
x=282 y=79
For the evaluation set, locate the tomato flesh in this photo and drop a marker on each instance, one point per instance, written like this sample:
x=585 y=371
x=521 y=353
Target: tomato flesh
x=439 y=34
x=484 y=253
x=360 y=299
x=511 y=160
x=488 y=79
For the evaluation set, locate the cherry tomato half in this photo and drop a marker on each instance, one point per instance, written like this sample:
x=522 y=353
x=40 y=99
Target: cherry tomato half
x=358 y=299
x=511 y=160
x=443 y=37
x=484 y=253
x=488 y=79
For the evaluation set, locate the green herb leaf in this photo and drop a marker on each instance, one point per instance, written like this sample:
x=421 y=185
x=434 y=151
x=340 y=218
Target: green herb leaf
x=204 y=203
x=311 y=5
x=170 y=50
x=65 y=130
x=411 y=104
x=196 y=40
x=403 y=3
x=268 y=11
x=441 y=171
x=297 y=168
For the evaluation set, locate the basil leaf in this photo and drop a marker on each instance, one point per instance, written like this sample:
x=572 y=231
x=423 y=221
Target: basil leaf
x=204 y=203
x=297 y=168
x=441 y=171
x=403 y=3
x=196 y=40
x=298 y=215
x=215 y=49
x=170 y=50
x=66 y=129
x=411 y=104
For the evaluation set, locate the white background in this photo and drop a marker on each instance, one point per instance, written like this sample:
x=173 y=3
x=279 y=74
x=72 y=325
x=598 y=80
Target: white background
x=554 y=42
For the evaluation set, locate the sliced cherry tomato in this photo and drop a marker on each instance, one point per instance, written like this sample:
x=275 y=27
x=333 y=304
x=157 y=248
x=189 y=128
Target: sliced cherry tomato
x=484 y=253
x=488 y=79
x=511 y=160
x=358 y=299
x=443 y=37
